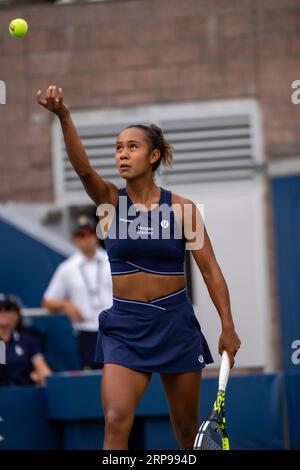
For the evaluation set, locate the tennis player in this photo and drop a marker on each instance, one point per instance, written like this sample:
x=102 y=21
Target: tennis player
x=151 y=326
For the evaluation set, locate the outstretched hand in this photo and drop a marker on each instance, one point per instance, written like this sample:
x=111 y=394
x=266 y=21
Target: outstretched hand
x=54 y=101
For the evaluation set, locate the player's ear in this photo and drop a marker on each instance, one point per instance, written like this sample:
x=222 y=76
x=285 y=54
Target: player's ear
x=155 y=155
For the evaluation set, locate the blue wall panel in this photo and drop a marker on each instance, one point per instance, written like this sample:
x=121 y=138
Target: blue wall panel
x=292 y=387
x=25 y=425
x=72 y=402
x=286 y=203
x=26 y=265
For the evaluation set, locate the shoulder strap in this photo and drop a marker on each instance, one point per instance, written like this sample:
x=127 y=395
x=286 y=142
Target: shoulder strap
x=122 y=191
x=166 y=197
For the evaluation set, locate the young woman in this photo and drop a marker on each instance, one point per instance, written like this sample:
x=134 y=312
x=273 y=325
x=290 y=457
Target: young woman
x=151 y=326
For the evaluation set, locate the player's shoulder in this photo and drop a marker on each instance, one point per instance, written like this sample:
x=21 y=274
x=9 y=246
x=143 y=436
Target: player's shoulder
x=179 y=199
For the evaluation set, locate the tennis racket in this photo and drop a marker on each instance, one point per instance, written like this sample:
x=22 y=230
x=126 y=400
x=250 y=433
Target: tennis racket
x=212 y=434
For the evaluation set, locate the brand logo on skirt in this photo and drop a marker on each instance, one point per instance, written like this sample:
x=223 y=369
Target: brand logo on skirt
x=200 y=358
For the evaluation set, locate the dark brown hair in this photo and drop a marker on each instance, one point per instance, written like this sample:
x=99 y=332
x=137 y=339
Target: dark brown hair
x=157 y=141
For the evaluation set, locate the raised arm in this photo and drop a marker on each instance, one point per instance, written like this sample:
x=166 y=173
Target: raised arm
x=99 y=189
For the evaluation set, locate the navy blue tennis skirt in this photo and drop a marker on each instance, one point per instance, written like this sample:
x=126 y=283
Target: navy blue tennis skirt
x=162 y=335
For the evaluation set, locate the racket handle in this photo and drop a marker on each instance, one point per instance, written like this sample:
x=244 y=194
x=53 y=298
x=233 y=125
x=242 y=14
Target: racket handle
x=224 y=371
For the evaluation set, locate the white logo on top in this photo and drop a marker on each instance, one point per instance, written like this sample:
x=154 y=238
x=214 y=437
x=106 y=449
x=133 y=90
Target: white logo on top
x=164 y=223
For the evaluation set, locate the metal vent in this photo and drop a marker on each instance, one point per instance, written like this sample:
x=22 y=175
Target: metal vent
x=211 y=143
x=217 y=148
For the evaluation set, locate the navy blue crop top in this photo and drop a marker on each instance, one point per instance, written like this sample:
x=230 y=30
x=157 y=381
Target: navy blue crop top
x=148 y=241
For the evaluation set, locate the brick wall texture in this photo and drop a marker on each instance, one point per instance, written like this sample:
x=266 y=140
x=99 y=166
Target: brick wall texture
x=121 y=53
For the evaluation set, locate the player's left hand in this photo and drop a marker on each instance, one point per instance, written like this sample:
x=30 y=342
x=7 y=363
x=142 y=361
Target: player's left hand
x=230 y=342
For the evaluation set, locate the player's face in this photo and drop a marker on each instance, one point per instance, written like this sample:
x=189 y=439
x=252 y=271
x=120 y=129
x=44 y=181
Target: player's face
x=133 y=155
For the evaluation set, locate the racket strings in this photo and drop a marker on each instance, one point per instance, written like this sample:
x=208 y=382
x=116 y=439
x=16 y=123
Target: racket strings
x=210 y=442
x=211 y=434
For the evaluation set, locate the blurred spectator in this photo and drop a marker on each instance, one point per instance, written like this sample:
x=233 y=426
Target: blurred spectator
x=82 y=287
x=25 y=363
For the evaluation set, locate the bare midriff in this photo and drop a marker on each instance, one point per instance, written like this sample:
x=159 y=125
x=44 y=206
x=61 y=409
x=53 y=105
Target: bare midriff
x=145 y=286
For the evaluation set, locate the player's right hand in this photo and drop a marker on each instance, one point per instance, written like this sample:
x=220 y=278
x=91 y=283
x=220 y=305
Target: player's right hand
x=73 y=312
x=53 y=101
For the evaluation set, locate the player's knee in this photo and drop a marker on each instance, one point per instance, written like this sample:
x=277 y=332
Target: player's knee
x=118 y=420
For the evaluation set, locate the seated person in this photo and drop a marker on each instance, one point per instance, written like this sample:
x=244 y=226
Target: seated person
x=25 y=363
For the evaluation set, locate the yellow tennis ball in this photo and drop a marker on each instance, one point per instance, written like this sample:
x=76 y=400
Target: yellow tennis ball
x=18 y=27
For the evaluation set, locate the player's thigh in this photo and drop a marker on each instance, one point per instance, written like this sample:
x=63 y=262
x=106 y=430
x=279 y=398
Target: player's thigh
x=183 y=393
x=122 y=388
